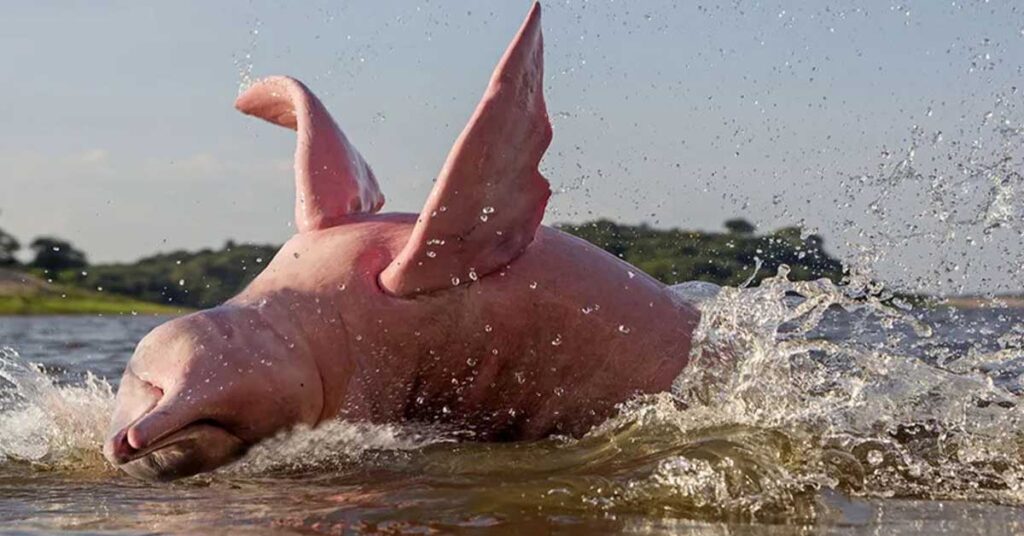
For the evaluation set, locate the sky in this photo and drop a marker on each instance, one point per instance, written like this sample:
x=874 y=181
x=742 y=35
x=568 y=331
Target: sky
x=892 y=129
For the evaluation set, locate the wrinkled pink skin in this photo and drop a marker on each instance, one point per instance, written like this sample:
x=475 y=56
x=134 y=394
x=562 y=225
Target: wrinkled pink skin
x=485 y=323
x=314 y=337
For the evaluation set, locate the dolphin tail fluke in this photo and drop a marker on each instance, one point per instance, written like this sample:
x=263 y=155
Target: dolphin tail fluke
x=490 y=197
x=331 y=178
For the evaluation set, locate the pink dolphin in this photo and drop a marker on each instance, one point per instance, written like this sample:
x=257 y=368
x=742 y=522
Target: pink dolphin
x=470 y=313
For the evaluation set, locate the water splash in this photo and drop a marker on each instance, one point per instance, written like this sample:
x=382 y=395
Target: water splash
x=796 y=390
x=943 y=214
x=244 y=59
x=332 y=446
x=47 y=424
x=864 y=413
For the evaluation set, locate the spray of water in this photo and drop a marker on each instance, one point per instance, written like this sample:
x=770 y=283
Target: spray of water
x=794 y=388
x=50 y=425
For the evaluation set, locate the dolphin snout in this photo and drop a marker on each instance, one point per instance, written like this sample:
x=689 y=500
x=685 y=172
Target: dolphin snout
x=158 y=437
x=118 y=450
x=135 y=399
x=195 y=449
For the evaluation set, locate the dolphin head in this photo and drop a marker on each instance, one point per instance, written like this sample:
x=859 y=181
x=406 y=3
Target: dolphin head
x=201 y=389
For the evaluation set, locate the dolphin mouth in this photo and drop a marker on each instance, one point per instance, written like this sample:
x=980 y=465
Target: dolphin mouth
x=197 y=448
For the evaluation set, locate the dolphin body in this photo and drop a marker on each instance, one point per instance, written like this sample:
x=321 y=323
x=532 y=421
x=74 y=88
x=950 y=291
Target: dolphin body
x=470 y=314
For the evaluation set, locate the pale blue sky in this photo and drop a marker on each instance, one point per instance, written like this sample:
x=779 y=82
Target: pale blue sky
x=118 y=131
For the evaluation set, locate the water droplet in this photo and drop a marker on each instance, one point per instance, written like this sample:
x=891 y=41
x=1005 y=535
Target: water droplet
x=624 y=329
x=533 y=285
x=488 y=328
x=431 y=254
x=875 y=457
x=557 y=341
x=456 y=281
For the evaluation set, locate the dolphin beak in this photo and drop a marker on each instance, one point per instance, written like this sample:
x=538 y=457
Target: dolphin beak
x=195 y=449
x=177 y=451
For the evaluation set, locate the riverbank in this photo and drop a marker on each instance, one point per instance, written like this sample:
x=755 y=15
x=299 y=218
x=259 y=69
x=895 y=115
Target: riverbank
x=25 y=294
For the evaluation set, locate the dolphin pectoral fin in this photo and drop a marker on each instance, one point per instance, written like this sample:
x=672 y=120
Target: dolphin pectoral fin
x=331 y=179
x=490 y=197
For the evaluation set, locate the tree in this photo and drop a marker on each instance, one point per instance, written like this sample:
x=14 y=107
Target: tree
x=740 y=226
x=9 y=246
x=54 y=254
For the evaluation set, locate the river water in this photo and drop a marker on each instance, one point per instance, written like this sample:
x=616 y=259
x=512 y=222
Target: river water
x=822 y=411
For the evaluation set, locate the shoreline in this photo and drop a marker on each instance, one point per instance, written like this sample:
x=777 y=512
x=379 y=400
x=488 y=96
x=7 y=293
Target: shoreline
x=23 y=294
x=75 y=304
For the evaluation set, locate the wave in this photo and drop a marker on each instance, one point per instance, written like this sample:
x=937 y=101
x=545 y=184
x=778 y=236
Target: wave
x=794 y=388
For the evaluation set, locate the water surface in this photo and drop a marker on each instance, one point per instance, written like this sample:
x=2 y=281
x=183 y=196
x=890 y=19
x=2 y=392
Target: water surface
x=821 y=414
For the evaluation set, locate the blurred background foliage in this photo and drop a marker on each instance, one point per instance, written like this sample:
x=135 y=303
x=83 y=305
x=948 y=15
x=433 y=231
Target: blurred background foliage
x=208 y=277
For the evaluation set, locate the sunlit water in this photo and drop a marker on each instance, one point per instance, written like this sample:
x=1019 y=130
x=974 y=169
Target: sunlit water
x=820 y=412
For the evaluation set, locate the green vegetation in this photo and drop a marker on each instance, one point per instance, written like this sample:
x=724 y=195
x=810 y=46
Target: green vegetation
x=75 y=303
x=8 y=247
x=208 y=277
x=192 y=279
x=55 y=255
x=729 y=258
x=24 y=294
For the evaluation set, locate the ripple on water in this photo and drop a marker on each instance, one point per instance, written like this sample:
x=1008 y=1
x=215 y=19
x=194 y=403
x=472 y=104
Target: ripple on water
x=803 y=404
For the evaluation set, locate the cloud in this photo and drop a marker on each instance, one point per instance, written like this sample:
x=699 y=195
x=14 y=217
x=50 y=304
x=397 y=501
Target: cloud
x=200 y=165
x=93 y=157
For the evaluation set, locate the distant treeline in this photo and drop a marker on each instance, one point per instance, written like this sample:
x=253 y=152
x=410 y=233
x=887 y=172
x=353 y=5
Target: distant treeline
x=195 y=279
x=208 y=277
x=728 y=258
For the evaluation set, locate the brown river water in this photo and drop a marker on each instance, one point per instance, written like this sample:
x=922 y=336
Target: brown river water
x=828 y=414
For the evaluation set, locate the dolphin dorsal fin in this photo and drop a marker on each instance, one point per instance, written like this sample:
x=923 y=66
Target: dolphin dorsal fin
x=490 y=197
x=331 y=179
